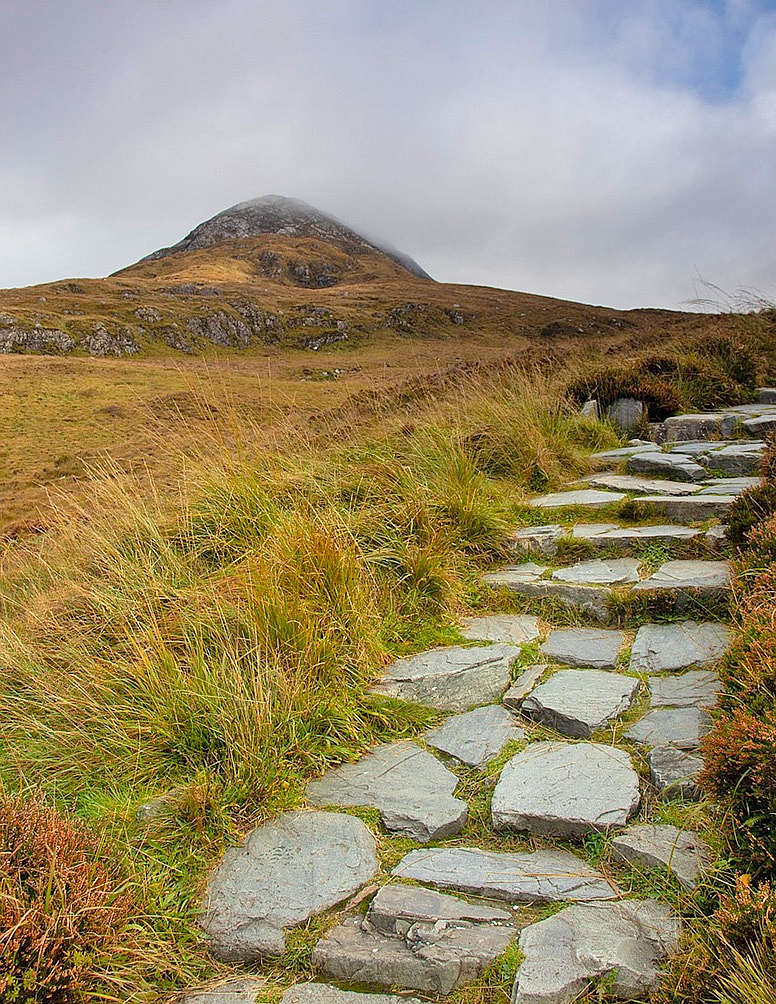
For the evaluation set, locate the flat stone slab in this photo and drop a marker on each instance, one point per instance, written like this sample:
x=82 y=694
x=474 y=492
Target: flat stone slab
x=625 y=537
x=433 y=958
x=600 y=572
x=410 y=788
x=527 y=571
x=566 y=789
x=592 y=599
x=708 y=578
x=596 y=647
x=623 y=941
x=537 y=539
x=523 y=686
x=322 y=993
x=677 y=466
x=736 y=460
x=516 y=629
x=546 y=876
x=576 y=702
x=450 y=679
x=689 y=508
x=241 y=991
x=590 y=497
x=475 y=737
x=287 y=870
x=623 y=452
x=681 y=852
x=730 y=486
x=698 y=688
x=395 y=908
x=759 y=426
x=664 y=648
x=680 y=727
x=641 y=486
x=675 y=772
x=708 y=425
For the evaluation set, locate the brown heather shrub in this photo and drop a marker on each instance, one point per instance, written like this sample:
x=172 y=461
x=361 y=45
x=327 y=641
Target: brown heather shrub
x=59 y=905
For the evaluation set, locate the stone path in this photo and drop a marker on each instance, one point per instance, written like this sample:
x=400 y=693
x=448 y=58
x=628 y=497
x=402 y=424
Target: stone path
x=576 y=716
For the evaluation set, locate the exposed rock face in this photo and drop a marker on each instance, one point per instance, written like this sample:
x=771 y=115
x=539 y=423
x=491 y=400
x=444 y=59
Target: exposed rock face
x=318 y=859
x=16 y=338
x=275 y=214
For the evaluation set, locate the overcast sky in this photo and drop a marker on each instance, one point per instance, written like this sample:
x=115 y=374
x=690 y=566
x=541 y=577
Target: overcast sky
x=611 y=151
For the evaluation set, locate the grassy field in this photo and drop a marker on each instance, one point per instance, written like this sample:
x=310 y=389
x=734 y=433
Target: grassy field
x=198 y=625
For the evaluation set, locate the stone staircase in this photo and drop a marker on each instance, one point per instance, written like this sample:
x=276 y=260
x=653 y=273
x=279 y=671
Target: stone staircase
x=580 y=731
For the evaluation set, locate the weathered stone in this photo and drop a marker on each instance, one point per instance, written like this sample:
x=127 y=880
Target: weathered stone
x=689 y=578
x=623 y=941
x=433 y=958
x=321 y=993
x=730 y=486
x=623 y=451
x=600 y=572
x=410 y=788
x=592 y=599
x=522 y=686
x=286 y=871
x=516 y=629
x=716 y=536
x=680 y=727
x=689 y=507
x=589 y=497
x=713 y=425
x=694 y=448
x=476 y=736
x=671 y=465
x=241 y=991
x=626 y=414
x=663 y=648
x=528 y=571
x=759 y=426
x=682 y=852
x=697 y=688
x=537 y=539
x=450 y=679
x=576 y=702
x=738 y=459
x=675 y=772
x=566 y=789
x=594 y=647
x=395 y=908
x=547 y=876
x=590 y=409
x=641 y=486
x=766 y=395
x=605 y=535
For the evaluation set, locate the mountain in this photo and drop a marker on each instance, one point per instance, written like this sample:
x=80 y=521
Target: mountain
x=276 y=274
x=276 y=214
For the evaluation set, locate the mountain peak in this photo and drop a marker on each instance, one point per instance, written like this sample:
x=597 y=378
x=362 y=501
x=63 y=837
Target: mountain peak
x=278 y=214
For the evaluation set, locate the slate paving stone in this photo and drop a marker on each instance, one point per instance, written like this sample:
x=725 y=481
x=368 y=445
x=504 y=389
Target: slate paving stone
x=240 y=991
x=676 y=466
x=516 y=629
x=641 y=486
x=477 y=736
x=322 y=993
x=318 y=860
x=450 y=679
x=704 y=578
x=609 y=535
x=592 y=599
x=434 y=959
x=592 y=498
x=625 y=942
x=545 y=876
x=675 y=772
x=410 y=788
x=595 y=647
x=696 y=447
x=600 y=572
x=576 y=702
x=680 y=727
x=566 y=789
x=662 y=648
x=730 y=486
x=523 y=686
x=698 y=688
x=681 y=852
x=537 y=539
x=396 y=907
x=708 y=425
x=759 y=426
x=623 y=452
x=734 y=460
x=527 y=571
x=689 y=508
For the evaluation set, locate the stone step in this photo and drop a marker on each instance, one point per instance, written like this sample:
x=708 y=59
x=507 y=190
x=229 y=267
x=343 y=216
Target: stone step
x=515 y=629
x=680 y=727
x=670 y=465
x=675 y=772
x=610 y=535
x=594 y=647
x=476 y=737
x=566 y=790
x=689 y=508
x=577 y=702
x=685 y=579
x=322 y=993
x=545 y=876
x=410 y=788
x=666 y=648
x=640 y=486
x=697 y=688
x=591 y=498
x=680 y=852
